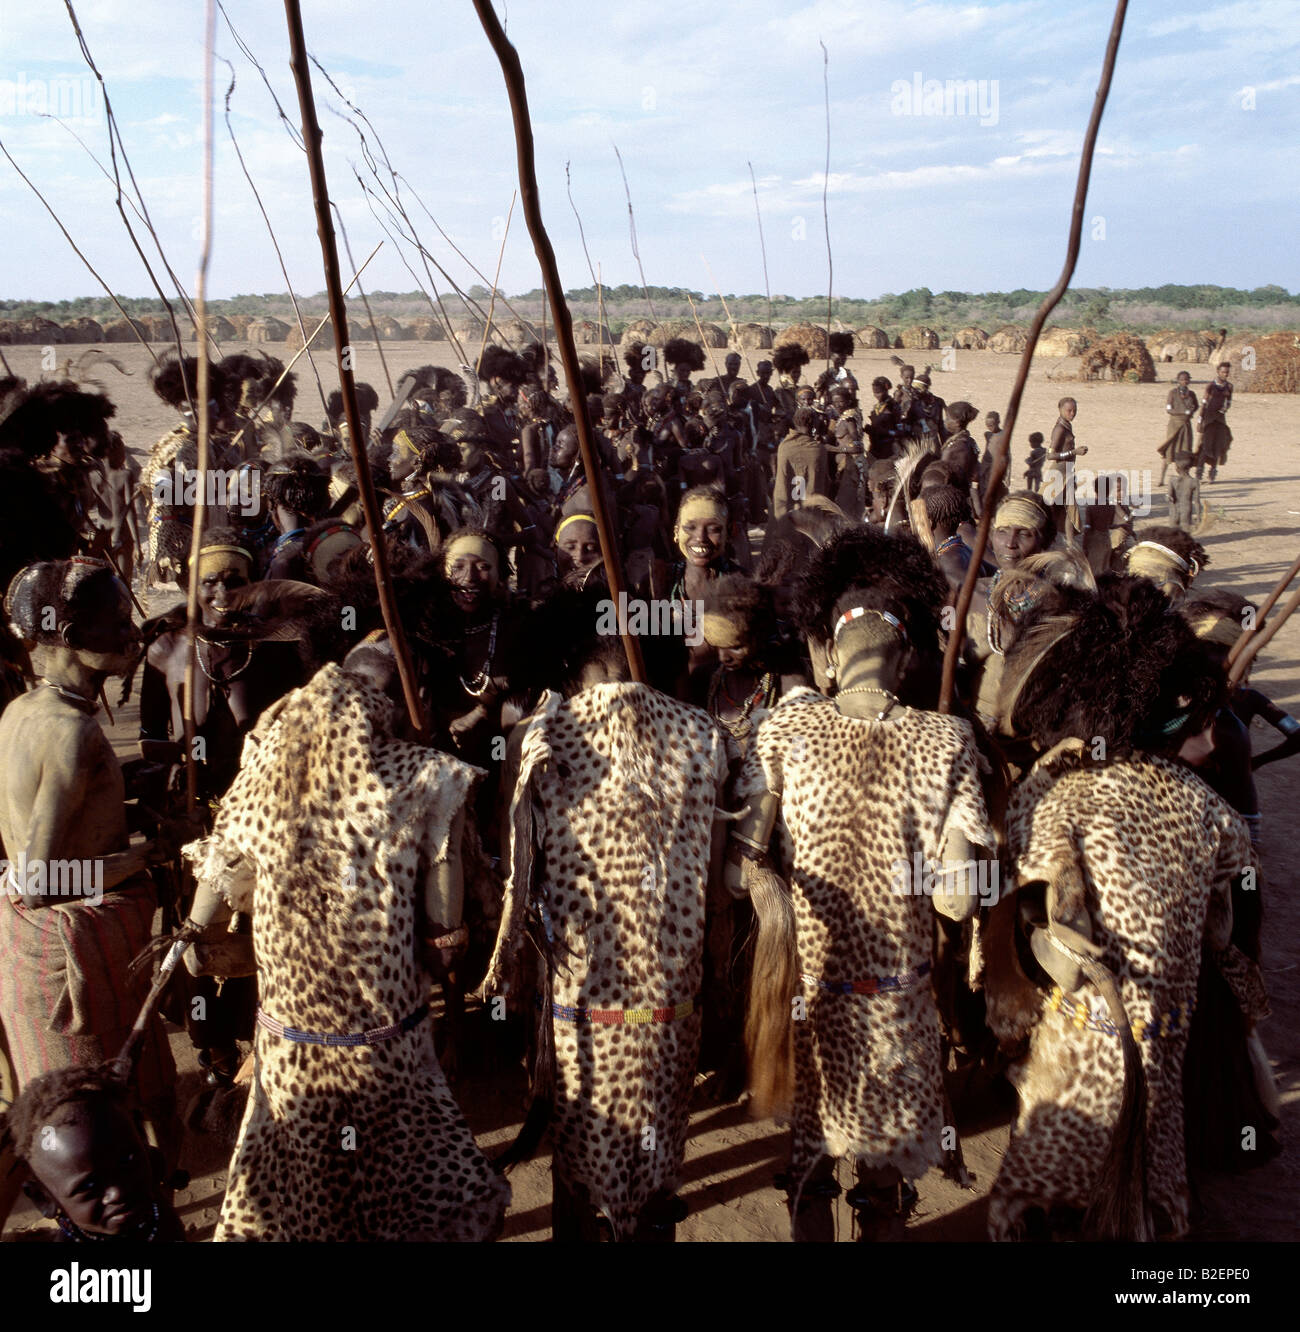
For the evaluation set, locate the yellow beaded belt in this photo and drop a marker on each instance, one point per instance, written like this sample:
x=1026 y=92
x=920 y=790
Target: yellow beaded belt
x=1167 y=1024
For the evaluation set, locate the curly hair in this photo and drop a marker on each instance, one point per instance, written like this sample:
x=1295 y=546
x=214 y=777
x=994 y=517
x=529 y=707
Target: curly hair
x=41 y=1099
x=894 y=569
x=789 y=356
x=52 y=408
x=299 y=485
x=738 y=596
x=841 y=344
x=175 y=379
x=1119 y=669
x=500 y=363
x=682 y=351
x=367 y=402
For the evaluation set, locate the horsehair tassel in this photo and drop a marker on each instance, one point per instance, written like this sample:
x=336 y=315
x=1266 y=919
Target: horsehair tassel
x=769 y=1029
x=339 y=317
x=1002 y=443
x=513 y=74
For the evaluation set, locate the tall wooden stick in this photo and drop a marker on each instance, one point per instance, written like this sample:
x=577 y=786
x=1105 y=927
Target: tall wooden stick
x=1282 y=584
x=699 y=328
x=339 y=317
x=1002 y=445
x=631 y=226
x=1261 y=639
x=513 y=74
x=192 y=618
x=826 y=184
x=300 y=353
x=726 y=309
x=365 y=301
x=762 y=247
x=496 y=278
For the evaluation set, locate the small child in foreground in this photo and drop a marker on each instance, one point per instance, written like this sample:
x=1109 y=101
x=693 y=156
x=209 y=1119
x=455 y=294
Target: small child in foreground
x=93 y=1172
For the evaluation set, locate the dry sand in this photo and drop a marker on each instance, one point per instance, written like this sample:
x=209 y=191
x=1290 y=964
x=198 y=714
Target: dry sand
x=1251 y=535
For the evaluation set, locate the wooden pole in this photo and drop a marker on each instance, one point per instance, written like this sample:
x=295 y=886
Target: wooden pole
x=311 y=135
x=496 y=278
x=192 y=617
x=1282 y=584
x=1002 y=445
x=513 y=74
x=1260 y=639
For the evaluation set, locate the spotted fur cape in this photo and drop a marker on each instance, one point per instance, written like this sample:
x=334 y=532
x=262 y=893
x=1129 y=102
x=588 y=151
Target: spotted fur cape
x=325 y=837
x=860 y=802
x=612 y=819
x=1158 y=852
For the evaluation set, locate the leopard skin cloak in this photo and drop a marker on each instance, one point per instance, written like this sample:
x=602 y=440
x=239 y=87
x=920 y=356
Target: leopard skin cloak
x=1159 y=851
x=859 y=801
x=612 y=821
x=323 y=837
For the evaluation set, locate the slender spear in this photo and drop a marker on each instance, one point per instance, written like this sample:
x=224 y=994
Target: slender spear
x=311 y=135
x=492 y=303
x=192 y=618
x=275 y=244
x=826 y=184
x=699 y=328
x=365 y=301
x=513 y=74
x=631 y=226
x=762 y=245
x=1002 y=443
x=726 y=309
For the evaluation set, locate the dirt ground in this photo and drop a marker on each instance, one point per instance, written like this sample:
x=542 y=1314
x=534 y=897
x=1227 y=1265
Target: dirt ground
x=1251 y=534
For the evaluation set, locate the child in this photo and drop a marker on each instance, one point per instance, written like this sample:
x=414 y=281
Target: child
x=1034 y=462
x=93 y=1172
x=1185 y=493
x=992 y=426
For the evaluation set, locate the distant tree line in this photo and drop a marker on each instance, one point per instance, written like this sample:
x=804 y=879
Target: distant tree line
x=1142 y=309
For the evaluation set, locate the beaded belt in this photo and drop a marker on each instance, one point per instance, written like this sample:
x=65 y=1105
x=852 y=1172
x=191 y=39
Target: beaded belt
x=373 y=1037
x=877 y=985
x=1167 y=1024
x=622 y=1017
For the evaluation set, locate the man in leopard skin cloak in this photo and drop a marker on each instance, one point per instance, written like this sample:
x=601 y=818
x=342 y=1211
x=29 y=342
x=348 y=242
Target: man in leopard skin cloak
x=342 y=839
x=611 y=834
x=1124 y=861
x=864 y=816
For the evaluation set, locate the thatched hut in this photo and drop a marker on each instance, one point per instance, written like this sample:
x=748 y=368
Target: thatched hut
x=119 y=330
x=811 y=337
x=1269 y=364
x=918 y=337
x=219 y=327
x=1008 y=339
x=1121 y=357
x=8 y=330
x=160 y=326
x=638 y=330
x=390 y=330
x=323 y=341
x=969 y=339
x=708 y=335
x=871 y=338
x=35 y=331
x=1184 y=346
x=1061 y=342
x=83 y=329
x=755 y=337
x=514 y=333
x=240 y=324
x=589 y=333
x=425 y=328
x=269 y=329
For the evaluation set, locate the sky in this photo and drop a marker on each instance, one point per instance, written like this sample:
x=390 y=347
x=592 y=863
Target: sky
x=966 y=186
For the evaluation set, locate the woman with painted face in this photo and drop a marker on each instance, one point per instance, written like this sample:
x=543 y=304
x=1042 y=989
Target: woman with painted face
x=703 y=519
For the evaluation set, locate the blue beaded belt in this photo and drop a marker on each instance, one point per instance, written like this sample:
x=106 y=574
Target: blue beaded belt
x=877 y=985
x=373 y=1037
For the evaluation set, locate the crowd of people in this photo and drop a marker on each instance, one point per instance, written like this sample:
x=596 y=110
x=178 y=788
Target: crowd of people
x=760 y=852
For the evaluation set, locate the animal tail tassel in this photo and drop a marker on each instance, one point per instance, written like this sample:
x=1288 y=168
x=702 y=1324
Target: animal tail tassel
x=1118 y=1209
x=769 y=1022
